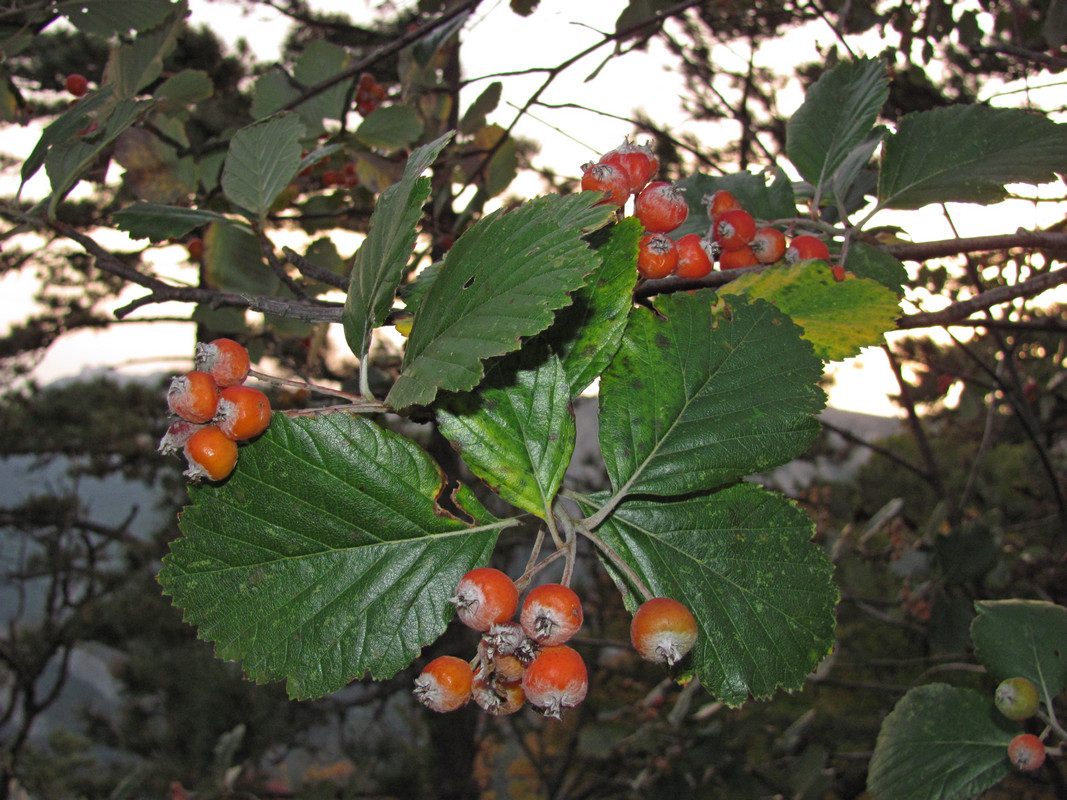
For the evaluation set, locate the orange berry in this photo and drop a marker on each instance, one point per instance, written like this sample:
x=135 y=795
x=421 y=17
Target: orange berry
x=694 y=256
x=719 y=203
x=768 y=244
x=444 y=684
x=610 y=180
x=663 y=630
x=225 y=360
x=498 y=697
x=638 y=161
x=193 y=396
x=243 y=412
x=556 y=679
x=657 y=256
x=195 y=248
x=737 y=259
x=484 y=597
x=551 y=614
x=211 y=454
x=804 y=248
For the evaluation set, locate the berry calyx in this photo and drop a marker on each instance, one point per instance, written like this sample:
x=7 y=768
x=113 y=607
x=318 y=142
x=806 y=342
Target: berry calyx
x=768 y=244
x=719 y=203
x=1017 y=698
x=1026 y=751
x=695 y=256
x=608 y=179
x=556 y=679
x=661 y=207
x=738 y=259
x=508 y=638
x=77 y=85
x=804 y=248
x=734 y=229
x=244 y=412
x=193 y=396
x=657 y=256
x=663 y=630
x=551 y=614
x=484 y=597
x=211 y=454
x=225 y=360
x=179 y=432
x=444 y=684
x=498 y=697
x=638 y=161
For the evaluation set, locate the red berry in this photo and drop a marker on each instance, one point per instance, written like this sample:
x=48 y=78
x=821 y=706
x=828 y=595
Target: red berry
x=556 y=679
x=719 y=202
x=369 y=94
x=179 y=432
x=77 y=85
x=444 y=684
x=484 y=597
x=768 y=244
x=1026 y=752
x=737 y=259
x=638 y=161
x=498 y=697
x=803 y=248
x=243 y=412
x=333 y=177
x=211 y=454
x=608 y=179
x=551 y=614
x=734 y=229
x=195 y=248
x=225 y=360
x=657 y=256
x=838 y=272
x=661 y=207
x=695 y=255
x=193 y=396
x=663 y=630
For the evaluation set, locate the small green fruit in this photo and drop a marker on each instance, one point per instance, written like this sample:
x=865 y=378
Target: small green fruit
x=1016 y=698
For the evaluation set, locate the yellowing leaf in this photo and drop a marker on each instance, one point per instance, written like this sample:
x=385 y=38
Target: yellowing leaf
x=839 y=319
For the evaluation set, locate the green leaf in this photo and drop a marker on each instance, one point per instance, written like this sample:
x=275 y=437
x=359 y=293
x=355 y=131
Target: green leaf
x=1023 y=638
x=158 y=222
x=839 y=319
x=940 y=742
x=867 y=261
x=587 y=333
x=321 y=60
x=134 y=65
x=838 y=113
x=390 y=127
x=501 y=281
x=107 y=18
x=327 y=554
x=743 y=562
x=233 y=261
x=765 y=196
x=967 y=154
x=65 y=127
x=381 y=259
x=486 y=103
x=516 y=432
x=706 y=395
x=187 y=87
x=263 y=157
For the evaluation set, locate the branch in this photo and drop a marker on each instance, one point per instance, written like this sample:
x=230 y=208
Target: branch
x=922 y=251
x=980 y=302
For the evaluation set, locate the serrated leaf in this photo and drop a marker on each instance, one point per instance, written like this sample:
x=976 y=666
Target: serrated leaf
x=940 y=742
x=866 y=261
x=133 y=65
x=516 y=432
x=743 y=562
x=65 y=126
x=380 y=261
x=390 y=127
x=486 y=103
x=839 y=319
x=106 y=17
x=587 y=333
x=262 y=158
x=967 y=154
x=321 y=60
x=159 y=222
x=838 y=113
x=1023 y=638
x=187 y=87
x=325 y=556
x=706 y=396
x=501 y=281
x=765 y=196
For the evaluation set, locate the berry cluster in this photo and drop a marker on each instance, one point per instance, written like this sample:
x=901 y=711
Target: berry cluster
x=734 y=238
x=529 y=660
x=1018 y=699
x=215 y=410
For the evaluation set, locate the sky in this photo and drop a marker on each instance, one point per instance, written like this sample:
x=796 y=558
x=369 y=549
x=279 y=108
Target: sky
x=497 y=40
